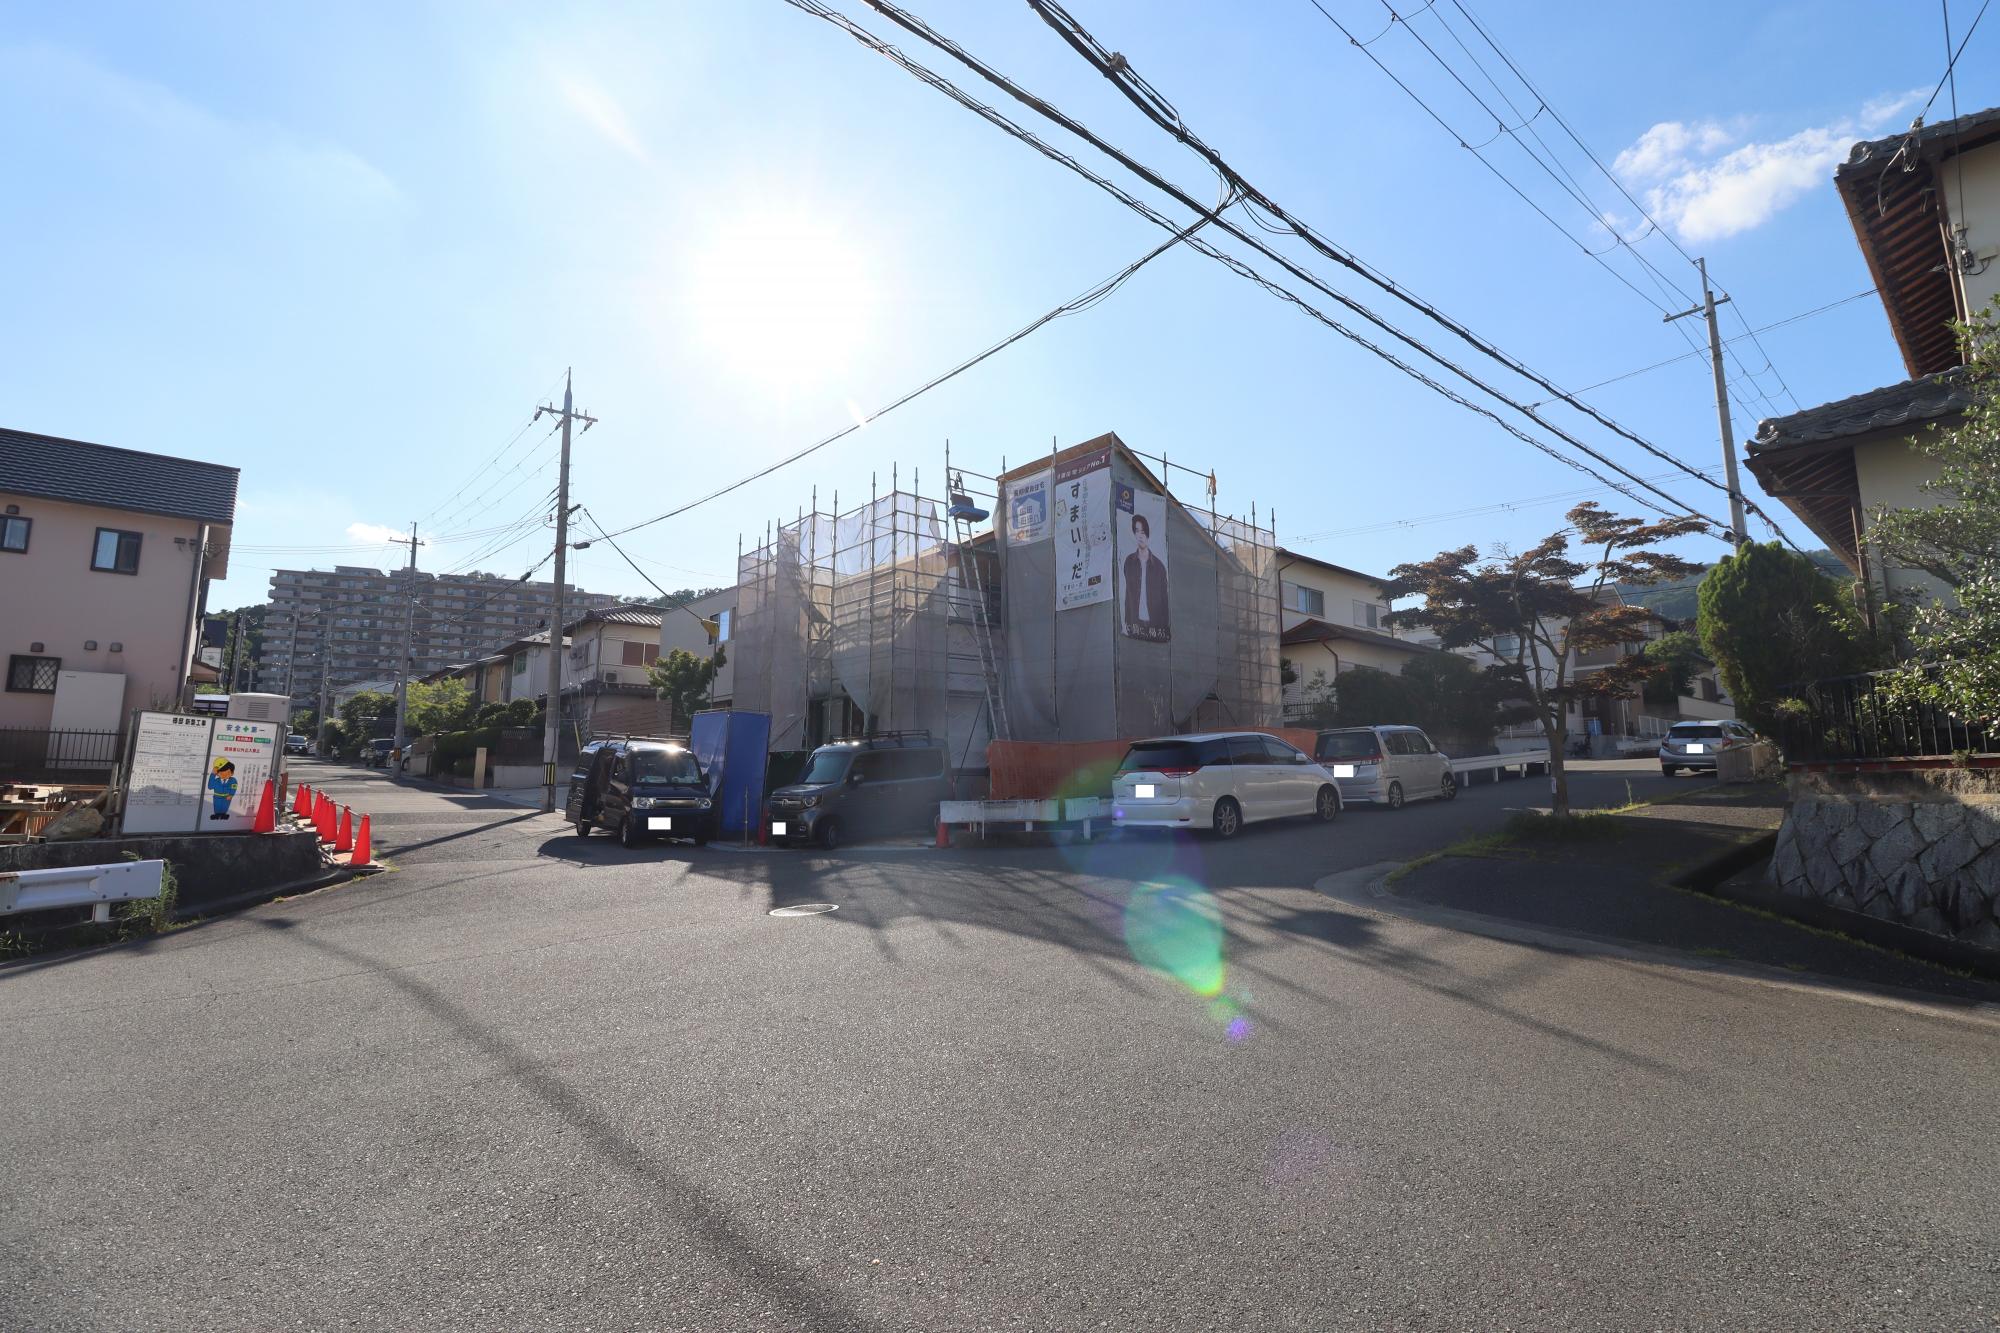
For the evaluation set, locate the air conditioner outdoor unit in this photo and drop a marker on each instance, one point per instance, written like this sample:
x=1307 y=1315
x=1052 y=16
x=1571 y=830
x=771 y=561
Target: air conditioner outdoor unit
x=260 y=707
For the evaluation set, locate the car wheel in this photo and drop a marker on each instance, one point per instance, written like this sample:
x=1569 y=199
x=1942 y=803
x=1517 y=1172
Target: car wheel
x=1228 y=819
x=1395 y=801
x=1448 y=789
x=582 y=827
x=1327 y=805
x=1668 y=770
x=627 y=835
x=701 y=838
x=827 y=834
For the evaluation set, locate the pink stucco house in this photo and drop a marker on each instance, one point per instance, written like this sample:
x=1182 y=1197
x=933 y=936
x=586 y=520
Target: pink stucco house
x=105 y=559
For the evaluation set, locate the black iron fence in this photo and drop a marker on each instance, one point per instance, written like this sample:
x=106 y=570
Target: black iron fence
x=1857 y=718
x=38 y=755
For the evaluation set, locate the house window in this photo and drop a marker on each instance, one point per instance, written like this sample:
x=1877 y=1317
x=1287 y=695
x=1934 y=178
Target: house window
x=1507 y=645
x=1305 y=601
x=14 y=533
x=32 y=675
x=639 y=654
x=115 y=552
x=722 y=619
x=1368 y=615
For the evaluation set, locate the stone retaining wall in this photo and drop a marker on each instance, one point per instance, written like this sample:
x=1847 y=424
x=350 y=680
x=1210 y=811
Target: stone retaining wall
x=1917 y=847
x=208 y=868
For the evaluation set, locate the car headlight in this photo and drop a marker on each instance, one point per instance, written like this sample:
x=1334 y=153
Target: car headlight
x=809 y=802
x=705 y=803
x=642 y=803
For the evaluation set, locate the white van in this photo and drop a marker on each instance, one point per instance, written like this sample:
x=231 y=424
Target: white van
x=1218 y=781
x=1386 y=765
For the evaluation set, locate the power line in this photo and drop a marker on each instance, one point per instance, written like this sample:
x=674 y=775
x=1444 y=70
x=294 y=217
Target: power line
x=1616 y=183
x=1951 y=64
x=1690 y=355
x=1154 y=179
x=1083 y=301
x=1454 y=515
x=667 y=599
x=1670 y=290
x=493 y=462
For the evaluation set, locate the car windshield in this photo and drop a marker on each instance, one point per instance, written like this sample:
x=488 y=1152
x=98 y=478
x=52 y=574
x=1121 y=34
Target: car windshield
x=1347 y=745
x=827 y=766
x=664 y=766
x=1696 y=733
x=1151 y=756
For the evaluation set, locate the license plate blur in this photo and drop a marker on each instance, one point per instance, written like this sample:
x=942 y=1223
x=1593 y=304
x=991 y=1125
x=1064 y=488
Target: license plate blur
x=1343 y=770
x=658 y=822
x=1144 y=791
x=1697 y=749
x=777 y=828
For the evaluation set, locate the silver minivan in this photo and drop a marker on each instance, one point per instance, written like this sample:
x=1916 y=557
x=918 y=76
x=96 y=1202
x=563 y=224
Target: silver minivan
x=1385 y=765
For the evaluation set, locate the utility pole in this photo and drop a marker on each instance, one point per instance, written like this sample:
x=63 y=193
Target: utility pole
x=236 y=647
x=291 y=664
x=1707 y=307
x=551 y=719
x=319 y=728
x=409 y=634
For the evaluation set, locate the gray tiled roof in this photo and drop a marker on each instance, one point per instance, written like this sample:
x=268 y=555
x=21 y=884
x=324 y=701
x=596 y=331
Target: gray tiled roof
x=98 y=474
x=1915 y=400
x=1871 y=151
x=647 y=616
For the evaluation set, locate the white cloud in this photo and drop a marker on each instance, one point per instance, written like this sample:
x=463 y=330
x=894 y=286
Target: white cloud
x=373 y=532
x=1704 y=183
x=258 y=158
x=604 y=114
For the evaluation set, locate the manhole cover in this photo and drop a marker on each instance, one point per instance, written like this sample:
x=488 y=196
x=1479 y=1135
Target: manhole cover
x=805 y=909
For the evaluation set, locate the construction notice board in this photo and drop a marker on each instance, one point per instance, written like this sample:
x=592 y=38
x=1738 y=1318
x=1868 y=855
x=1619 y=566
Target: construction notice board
x=198 y=774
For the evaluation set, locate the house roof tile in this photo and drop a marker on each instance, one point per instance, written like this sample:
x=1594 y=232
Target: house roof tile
x=100 y=474
x=1922 y=399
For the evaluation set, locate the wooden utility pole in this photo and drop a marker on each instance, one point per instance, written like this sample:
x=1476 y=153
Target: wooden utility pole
x=552 y=715
x=1739 y=533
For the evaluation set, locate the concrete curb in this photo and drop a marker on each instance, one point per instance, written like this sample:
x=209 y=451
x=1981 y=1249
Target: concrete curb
x=334 y=875
x=1364 y=888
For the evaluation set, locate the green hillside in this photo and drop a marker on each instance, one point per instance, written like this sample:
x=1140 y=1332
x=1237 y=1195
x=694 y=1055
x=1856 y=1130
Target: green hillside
x=1676 y=600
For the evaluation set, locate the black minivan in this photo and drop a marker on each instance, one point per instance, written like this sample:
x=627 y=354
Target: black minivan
x=890 y=782
x=640 y=788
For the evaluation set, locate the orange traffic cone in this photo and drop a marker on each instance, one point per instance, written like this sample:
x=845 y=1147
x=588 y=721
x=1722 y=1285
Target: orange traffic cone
x=343 y=839
x=944 y=834
x=360 y=856
x=323 y=816
x=267 y=808
x=299 y=800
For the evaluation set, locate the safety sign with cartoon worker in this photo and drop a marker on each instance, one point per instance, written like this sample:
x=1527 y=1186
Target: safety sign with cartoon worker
x=222 y=786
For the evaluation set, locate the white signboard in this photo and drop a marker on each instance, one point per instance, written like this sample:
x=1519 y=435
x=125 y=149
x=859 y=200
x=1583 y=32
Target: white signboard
x=164 y=791
x=1144 y=604
x=198 y=774
x=1028 y=509
x=1083 y=531
x=241 y=757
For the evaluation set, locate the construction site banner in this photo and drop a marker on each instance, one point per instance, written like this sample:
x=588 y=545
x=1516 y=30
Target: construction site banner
x=1028 y=509
x=1147 y=611
x=1083 y=536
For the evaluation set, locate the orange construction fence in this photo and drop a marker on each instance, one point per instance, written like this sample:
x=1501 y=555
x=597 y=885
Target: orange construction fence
x=1038 y=770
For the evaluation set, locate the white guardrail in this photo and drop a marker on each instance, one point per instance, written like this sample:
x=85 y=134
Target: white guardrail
x=1497 y=764
x=95 y=887
x=1028 y=815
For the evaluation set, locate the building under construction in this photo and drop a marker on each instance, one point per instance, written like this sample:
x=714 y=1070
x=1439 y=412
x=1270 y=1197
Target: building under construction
x=1073 y=598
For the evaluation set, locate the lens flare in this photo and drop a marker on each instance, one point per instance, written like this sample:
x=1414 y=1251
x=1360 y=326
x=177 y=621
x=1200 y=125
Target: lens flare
x=1174 y=927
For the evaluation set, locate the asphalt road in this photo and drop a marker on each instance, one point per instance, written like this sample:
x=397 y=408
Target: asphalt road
x=527 y=1080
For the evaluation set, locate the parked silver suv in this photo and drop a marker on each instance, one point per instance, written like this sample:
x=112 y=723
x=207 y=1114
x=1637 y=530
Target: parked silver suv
x=1694 y=745
x=1385 y=765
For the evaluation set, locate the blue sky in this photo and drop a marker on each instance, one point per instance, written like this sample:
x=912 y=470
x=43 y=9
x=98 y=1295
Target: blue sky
x=348 y=249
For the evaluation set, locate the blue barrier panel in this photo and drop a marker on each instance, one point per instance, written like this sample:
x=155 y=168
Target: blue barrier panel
x=732 y=747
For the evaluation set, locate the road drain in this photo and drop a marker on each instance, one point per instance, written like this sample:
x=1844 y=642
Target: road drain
x=805 y=909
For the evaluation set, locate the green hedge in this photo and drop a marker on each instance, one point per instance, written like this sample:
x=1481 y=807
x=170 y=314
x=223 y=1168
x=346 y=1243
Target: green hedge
x=453 y=746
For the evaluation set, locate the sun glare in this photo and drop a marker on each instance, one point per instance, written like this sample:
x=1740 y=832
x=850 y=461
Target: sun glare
x=784 y=302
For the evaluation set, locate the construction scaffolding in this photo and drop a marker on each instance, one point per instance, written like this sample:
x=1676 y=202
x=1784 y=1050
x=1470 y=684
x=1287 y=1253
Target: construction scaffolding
x=864 y=621
x=952 y=616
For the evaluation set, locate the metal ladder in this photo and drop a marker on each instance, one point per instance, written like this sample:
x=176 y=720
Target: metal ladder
x=963 y=515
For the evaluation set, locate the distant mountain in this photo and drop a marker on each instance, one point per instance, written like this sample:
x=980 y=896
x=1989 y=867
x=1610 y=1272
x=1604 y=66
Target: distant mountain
x=1677 y=600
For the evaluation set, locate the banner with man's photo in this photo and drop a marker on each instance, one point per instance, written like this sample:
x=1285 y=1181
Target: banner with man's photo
x=1145 y=603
